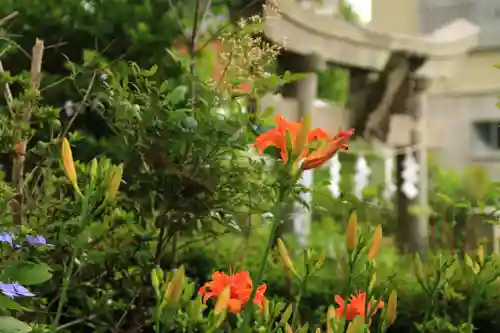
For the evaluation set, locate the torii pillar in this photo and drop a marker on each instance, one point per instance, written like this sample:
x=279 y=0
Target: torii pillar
x=304 y=91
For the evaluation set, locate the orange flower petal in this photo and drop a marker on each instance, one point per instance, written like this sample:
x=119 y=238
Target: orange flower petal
x=234 y=305
x=321 y=155
x=240 y=289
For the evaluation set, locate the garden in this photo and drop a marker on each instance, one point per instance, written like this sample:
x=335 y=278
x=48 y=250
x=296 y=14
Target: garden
x=142 y=193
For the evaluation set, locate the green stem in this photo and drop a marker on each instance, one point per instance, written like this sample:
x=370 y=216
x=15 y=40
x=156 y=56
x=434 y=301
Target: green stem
x=68 y=274
x=62 y=298
x=347 y=292
x=367 y=302
x=303 y=287
x=429 y=311
x=157 y=324
x=472 y=304
x=262 y=266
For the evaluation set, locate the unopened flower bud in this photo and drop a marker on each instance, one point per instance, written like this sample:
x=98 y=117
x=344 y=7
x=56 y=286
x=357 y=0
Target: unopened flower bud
x=321 y=261
x=356 y=326
x=351 y=234
x=471 y=264
x=69 y=164
x=155 y=280
x=330 y=315
x=392 y=305
x=287 y=261
x=480 y=255
x=93 y=170
x=372 y=281
x=222 y=300
x=115 y=181
x=376 y=241
x=288 y=329
x=286 y=315
x=265 y=309
x=175 y=286
x=419 y=270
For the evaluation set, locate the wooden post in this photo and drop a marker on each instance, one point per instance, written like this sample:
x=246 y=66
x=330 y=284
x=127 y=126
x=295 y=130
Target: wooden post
x=413 y=226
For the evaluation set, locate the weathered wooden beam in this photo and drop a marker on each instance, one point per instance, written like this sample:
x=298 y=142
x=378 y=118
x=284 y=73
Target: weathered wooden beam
x=389 y=84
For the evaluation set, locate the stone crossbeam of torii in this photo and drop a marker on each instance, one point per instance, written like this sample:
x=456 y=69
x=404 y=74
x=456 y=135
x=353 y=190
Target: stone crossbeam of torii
x=389 y=74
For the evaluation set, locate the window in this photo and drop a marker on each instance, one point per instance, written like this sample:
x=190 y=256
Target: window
x=486 y=137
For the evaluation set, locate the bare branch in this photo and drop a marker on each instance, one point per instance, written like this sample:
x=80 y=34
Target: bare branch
x=18 y=165
x=8 y=17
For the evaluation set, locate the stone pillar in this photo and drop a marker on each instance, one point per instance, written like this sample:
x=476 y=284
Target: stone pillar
x=304 y=91
x=420 y=91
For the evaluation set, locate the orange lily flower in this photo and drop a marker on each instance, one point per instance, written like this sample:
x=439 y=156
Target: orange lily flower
x=312 y=159
x=356 y=306
x=321 y=155
x=240 y=285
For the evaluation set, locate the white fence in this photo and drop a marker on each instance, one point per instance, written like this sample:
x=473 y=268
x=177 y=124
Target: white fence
x=363 y=172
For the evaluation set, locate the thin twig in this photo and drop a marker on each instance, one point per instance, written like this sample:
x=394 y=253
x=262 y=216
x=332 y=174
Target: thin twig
x=80 y=107
x=192 y=49
x=177 y=19
x=206 y=10
x=8 y=17
x=7 y=92
x=74 y=322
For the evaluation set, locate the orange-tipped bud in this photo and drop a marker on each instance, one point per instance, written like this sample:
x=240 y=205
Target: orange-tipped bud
x=392 y=305
x=222 y=300
x=68 y=163
x=265 y=309
x=351 y=235
x=288 y=329
x=376 y=241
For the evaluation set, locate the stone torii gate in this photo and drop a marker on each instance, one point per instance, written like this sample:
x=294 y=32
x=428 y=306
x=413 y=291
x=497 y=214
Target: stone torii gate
x=389 y=74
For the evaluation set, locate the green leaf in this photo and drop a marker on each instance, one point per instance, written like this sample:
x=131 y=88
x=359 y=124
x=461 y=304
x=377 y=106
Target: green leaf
x=88 y=57
x=289 y=77
x=150 y=72
x=12 y=325
x=26 y=272
x=6 y=303
x=268 y=112
x=445 y=198
x=177 y=95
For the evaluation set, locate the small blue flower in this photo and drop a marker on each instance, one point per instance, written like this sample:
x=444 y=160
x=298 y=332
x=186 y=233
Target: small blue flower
x=14 y=290
x=37 y=240
x=7 y=237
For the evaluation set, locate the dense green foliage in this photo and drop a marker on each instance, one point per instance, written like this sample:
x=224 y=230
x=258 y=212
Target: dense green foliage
x=191 y=192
